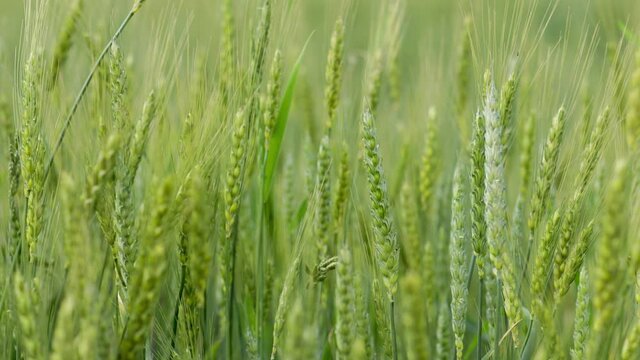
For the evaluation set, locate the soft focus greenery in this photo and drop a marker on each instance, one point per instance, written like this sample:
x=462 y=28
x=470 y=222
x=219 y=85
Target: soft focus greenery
x=319 y=179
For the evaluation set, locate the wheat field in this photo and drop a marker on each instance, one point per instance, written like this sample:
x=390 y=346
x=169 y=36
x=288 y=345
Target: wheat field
x=320 y=179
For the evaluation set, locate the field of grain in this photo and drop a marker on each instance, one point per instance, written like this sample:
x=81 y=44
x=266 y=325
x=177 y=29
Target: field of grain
x=320 y=179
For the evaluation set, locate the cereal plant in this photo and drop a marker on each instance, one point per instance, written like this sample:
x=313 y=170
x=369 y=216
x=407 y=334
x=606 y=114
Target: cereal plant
x=320 y=179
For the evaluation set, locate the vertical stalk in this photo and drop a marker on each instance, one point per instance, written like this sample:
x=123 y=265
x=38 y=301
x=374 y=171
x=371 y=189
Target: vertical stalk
x=176 y=311
x=260 y=258
x=480 y=310
x=394 y=341
x=234 y=242
x=260 y=279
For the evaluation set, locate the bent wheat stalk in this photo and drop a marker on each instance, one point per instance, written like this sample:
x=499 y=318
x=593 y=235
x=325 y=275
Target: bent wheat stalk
x=85 y=85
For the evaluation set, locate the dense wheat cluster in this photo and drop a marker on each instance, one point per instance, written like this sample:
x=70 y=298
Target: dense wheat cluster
x=311 y=179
